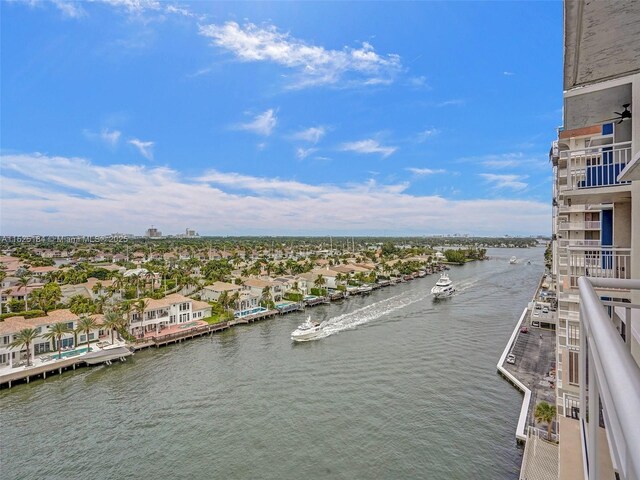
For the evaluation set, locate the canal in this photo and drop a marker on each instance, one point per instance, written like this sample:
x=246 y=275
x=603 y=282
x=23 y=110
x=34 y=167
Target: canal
x=402 y=387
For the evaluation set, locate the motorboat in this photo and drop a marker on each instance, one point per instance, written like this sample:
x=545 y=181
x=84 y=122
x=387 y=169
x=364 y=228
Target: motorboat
x=309 y=330
x=513 y=260
x=443 y=288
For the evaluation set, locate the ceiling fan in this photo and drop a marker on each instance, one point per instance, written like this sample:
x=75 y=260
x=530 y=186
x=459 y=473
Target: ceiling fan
x=622 y=116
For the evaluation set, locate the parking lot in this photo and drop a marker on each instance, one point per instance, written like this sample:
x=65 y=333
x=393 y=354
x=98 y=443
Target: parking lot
x=534 y=353
x=543 y=316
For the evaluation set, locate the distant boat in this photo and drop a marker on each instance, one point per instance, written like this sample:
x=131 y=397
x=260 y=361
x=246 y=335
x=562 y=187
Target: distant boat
x=513 y=260
x=529 y=262
x=444 y=288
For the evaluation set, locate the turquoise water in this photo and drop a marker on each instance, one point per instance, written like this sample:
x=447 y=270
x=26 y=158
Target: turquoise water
x=70 y=353
x=402 y=388
x=244 y=313
x=189 y=325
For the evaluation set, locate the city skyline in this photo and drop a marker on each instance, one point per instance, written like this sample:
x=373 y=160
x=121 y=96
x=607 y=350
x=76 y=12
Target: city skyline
x=292 y=119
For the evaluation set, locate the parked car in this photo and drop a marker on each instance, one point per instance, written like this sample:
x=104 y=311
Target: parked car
x=524 y=330
x=535 y=324
x=511 y=358
x=545 y=310
x=536 y=313
x=538 y=307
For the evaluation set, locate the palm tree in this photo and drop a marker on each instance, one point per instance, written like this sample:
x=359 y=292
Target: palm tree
x=118 y=282
x=233 y=300
x=112 y=321
x=319 y=281
x=266 y=296
x=86 y=324
x=99 y=303
x=125 y=309
x=140 y=306
x=223 y=299
x=55 y=334
x=545 y=413
x=22 y=283
x=25 y=337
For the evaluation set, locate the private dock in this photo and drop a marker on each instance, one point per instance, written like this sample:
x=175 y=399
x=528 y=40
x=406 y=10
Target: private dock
x=34 y=372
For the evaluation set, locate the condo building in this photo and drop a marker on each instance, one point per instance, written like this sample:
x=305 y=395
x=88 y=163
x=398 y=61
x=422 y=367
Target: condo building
x=596 y=242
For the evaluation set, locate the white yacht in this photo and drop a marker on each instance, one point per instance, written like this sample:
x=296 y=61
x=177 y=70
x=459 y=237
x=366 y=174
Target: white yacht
x=309 y=330
x=444 y=288
x=513 y=260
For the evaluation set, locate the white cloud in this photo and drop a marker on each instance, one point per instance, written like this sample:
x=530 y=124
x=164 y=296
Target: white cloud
x=418 y=82
x=312 y=134
x=145 y=148
x=454 y=102
x=303 y=153
x=313 y=65
x=508 y=74
x=70 y=9
x=134 y=6
x=513 y=182
x=368 y=146
x=508 y=160
x=428 y=133
x=130 y=197
x=425 y=171
x=262 y=124
x=110 y=137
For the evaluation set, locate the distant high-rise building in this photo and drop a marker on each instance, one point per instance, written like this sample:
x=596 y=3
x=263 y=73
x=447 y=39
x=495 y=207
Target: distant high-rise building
x=153 y=233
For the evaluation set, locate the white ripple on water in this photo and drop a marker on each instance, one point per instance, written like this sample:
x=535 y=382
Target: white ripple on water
x=349 y=321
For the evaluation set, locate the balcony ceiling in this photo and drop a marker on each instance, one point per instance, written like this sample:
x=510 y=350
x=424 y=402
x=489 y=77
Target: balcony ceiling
x=617 y=194
x=601 y=41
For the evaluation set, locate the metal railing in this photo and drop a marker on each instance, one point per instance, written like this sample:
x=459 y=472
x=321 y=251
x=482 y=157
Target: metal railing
x=599 y=262
x=613 y=383
x=596 y=166
x=588 y=225
x=563 y=242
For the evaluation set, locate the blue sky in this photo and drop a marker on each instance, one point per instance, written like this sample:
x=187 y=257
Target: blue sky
x=278 y=118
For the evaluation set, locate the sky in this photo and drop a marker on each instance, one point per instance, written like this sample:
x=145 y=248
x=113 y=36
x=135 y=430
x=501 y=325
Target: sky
x=310 y=118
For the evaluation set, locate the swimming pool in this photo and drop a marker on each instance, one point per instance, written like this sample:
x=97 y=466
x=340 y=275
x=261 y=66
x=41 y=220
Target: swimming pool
x=69 y=353
x=188 y=325
x=252 y=311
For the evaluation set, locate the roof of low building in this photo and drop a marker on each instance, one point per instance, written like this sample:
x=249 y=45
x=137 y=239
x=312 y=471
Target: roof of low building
x=222 y=287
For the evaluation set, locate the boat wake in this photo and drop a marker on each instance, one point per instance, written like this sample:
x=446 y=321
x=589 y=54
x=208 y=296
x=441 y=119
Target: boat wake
x=351 y=320
x=466 y=285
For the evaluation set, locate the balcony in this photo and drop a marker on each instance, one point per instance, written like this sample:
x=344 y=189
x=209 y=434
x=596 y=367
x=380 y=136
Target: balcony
x=563 y=243
x=592 y=225
x=599 y=262
x=609 y=384
x=597 y=166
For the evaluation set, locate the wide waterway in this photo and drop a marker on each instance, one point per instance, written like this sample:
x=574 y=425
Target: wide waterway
x=403 y=387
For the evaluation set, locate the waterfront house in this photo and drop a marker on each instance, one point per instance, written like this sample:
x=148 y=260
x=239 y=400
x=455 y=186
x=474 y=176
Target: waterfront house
x=11 y=326
x=257 y=285
x=213 y=292
x=162 y=313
